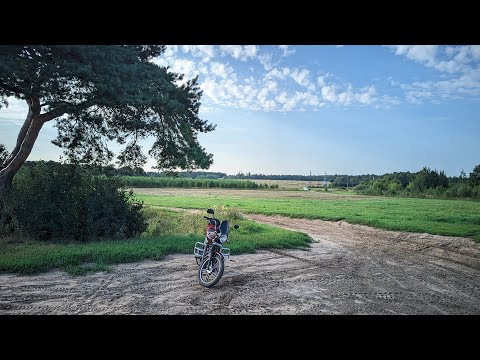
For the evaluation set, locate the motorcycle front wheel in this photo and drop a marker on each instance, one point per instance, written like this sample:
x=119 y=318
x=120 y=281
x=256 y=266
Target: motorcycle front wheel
x=209 y=275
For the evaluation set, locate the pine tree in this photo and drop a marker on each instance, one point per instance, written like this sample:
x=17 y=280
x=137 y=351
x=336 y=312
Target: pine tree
x=97 y=93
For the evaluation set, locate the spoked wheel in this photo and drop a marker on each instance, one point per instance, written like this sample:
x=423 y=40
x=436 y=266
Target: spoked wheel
x=209 y=275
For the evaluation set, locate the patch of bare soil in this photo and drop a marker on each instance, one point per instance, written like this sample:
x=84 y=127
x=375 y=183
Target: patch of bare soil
x=350 y=269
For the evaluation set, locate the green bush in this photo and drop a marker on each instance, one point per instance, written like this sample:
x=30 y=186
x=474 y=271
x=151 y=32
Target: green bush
x=63 y=203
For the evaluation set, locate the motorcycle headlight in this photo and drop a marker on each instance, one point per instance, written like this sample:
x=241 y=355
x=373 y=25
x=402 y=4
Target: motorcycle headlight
x=211 y=235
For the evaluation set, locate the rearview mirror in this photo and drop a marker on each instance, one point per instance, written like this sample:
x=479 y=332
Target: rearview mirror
x=210 y=211
x=235 y=226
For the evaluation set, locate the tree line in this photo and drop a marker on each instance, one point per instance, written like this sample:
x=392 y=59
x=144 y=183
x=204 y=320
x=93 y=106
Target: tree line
x=425 y=183
x=183 y=182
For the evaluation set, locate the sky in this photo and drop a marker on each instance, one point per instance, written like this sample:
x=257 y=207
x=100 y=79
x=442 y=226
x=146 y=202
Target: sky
x=335 y=109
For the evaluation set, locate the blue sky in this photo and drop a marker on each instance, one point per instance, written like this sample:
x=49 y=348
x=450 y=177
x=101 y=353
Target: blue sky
x=336 y=109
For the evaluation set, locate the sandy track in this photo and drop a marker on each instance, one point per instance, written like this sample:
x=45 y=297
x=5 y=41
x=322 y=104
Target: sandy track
x=351 y=269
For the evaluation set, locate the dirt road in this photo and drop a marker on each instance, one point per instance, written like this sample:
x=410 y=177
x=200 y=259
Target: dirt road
x=350 y=269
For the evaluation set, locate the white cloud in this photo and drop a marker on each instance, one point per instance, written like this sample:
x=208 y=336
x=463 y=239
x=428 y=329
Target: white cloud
x=291 y=102
x=345 y=98
x=272 y=88
x=221 y=70
x=250 y=80
x=269 y=105
x=311 y=99
x=340 y=46
x=250 y=51
x=16 y=112
x=203 y=69
x=450 y=50
x=475 y=49
x=274 y=73
x=301 y=77
x=188 y=67
x=286 y=51
x=240 y=52
x=262 y=96
x=367 y=97
x=234 y=90
x=266 y=61
x=416 y=97
x=300 y=98
x=392 y=82
x=204 y=51
x=456 y=61
x=388 y=101
x=213 y=90
x=160 y=61
x=282 y=98
x=321 y=81
x=452 y=59
x=462 y=86
x=420 y=53
x=182 y=66
x=364 y=96
x=328 y=93
x=450 y=66
x=170 y=50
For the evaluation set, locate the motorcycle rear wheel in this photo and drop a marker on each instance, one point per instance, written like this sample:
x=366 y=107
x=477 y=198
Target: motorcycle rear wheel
x=209 y=277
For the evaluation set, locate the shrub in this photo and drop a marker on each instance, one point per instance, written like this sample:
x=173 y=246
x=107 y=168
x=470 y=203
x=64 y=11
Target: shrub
x=63 y=202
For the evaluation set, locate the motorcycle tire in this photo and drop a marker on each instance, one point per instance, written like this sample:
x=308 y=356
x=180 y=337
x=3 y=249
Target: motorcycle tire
x=209 y=279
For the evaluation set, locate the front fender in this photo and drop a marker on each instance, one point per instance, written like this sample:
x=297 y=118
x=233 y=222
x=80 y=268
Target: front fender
x=219 y=250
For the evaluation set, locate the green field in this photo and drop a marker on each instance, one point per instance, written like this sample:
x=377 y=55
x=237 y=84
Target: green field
x=434 y=216
x=168 y=233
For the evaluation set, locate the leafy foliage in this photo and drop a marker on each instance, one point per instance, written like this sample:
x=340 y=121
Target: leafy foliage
x=101 y=93
x=63 y=202
x=3 y=154
x=426 y=182
x=475 y=176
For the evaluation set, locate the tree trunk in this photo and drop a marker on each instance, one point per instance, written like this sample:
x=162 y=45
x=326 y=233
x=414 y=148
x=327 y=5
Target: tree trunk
x=5 y=182
x=23 y=132
x=30 y=130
